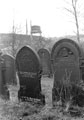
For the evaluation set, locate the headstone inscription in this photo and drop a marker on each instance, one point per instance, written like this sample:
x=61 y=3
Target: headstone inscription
x=29 y=72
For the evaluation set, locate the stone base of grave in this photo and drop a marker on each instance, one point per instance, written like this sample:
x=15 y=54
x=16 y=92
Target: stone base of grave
x=13 y=93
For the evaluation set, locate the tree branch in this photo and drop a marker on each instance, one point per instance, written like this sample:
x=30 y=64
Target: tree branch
x=70 y=11
x=74 y=13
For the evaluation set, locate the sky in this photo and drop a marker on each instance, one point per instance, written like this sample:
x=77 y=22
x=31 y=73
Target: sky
x=50 y=15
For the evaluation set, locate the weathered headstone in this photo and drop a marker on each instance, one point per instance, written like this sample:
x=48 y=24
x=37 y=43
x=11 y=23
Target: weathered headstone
x=29 y=72
x=46 y=61
x=65 y=59
x=8 y=73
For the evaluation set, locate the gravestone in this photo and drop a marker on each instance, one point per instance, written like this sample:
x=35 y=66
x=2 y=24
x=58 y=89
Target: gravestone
x=2 y=93
x=46 y=61
x=9 y=69
x=8 y=72
x=29 y=72
x=65 y=59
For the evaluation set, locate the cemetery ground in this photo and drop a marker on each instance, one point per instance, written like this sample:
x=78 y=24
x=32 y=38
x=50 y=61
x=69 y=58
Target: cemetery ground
x=10 y=110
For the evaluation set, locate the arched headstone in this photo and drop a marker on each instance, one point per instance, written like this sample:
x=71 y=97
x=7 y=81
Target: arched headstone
x=45 y=61
x=65 y=59
x=9 y=69
x=29 y=72
x=8 y=72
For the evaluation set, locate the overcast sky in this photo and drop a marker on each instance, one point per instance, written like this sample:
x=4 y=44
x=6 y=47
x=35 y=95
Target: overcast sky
x=49 y=14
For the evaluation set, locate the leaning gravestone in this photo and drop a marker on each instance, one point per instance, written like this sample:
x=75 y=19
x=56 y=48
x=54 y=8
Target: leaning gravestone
x=46 y=61
x=29 y=72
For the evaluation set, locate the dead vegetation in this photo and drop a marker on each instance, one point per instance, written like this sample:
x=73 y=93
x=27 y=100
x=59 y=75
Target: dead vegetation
x=70 y=95
x=35 y=111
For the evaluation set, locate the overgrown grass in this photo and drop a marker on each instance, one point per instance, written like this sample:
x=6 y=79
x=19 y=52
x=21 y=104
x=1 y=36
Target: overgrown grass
x=28 y=111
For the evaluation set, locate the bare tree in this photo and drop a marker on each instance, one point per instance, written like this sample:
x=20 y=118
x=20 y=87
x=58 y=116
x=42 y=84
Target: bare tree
x=74 y=12
x=15 y=30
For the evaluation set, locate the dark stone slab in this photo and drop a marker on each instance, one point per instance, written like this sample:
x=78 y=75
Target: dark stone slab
x=29 y=72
